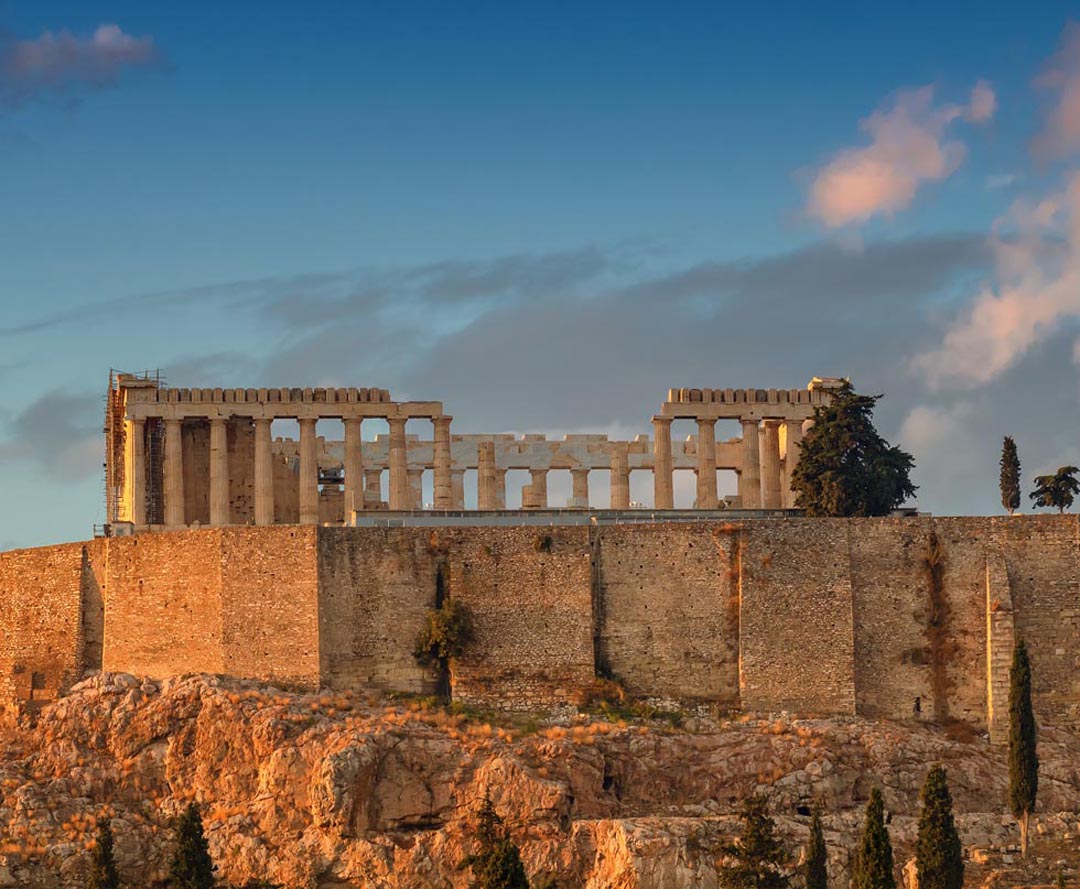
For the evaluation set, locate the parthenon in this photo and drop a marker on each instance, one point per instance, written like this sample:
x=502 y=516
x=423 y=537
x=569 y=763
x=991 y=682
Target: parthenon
x=180 y=457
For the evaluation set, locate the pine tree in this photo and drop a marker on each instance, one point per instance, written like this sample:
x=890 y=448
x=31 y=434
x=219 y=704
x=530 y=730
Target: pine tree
x=759 y=856
x=874 y=859
x=1057 y=490
x=815 y=868
x=497 y=863
x=192 y=867
x=845 y=468
x=103 y=873
x=1023 y=758
x=939 y=858
x=1010 y=475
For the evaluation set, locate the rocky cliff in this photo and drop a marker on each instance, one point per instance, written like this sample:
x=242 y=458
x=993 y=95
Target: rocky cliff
x=336 y=790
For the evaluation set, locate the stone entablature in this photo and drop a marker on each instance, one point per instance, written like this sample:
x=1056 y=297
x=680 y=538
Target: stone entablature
x=179 y=457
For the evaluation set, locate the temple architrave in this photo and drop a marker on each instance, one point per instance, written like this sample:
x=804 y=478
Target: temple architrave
x=195 y=457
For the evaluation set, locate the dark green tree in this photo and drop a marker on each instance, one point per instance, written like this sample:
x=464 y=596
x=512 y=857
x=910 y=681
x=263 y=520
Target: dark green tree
x=103 y=873
x=1010 y=475
x=845 y=467
x=758 y=858
x=873 y=867
x=496 y=864
x=939 y=859
x=815 y=868
x=1023 y=757
x=1057 y=490
x=192 y=867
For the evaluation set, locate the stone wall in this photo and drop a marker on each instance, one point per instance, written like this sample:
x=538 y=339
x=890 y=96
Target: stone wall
x=811 y=616
x=667 y=603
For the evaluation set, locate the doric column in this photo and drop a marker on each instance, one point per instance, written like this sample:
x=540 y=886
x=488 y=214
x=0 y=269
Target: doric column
x=174 y=475
x=580 y=479
x=750 y=477
x=485 y=476
x=443 y=484
x=219 y=472
x=770 y=465
x=309 y=474
x=620 y=476
x=500 y=488
x=538 y=489
x=706 y=464
x=264 y=474
x=137 y=481
x=457 y=488
x=354 y=468
x=792 y=451
x=663 y=488
x=372 y=488
x=416 y=488
x=399 y=466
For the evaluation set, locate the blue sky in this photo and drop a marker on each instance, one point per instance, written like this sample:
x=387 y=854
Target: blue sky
x=544 y=215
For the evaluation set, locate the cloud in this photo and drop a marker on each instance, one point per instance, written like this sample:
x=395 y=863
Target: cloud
x=1037 y=289
x=1002 y=180
x=63 y=66
x=59 y=433
x=1061 y=134
x=908 y=148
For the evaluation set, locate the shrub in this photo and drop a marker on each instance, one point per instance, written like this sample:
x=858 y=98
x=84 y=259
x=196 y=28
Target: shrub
x=191 y=867
x=447 y=631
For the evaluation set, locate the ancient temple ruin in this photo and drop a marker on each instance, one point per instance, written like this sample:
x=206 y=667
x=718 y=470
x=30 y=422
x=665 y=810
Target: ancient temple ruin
x=178 y=457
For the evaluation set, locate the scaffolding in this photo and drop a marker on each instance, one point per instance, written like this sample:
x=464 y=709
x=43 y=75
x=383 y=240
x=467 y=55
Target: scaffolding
x=115 y=429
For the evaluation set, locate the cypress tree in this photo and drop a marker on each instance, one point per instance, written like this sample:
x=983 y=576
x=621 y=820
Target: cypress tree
x=815 y=869
x=1023 y=758
x=192 y=867
x=103 y=873
x=874 y=859
x=759 y=856
x=939 y=859
x=497 y=863
x=1010 y=476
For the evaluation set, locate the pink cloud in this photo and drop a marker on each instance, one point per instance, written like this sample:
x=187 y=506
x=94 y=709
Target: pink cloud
x=1061 y=135
x=64 y=65
x=908 y=147
x=1037 y=248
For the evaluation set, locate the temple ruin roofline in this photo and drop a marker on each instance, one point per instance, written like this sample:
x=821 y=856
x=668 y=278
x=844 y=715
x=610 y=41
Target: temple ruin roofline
x=177 y=457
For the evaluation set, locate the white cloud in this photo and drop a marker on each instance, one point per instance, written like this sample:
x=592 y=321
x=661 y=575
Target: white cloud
x=1061 y=134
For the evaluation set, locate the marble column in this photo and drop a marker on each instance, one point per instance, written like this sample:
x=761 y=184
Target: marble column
x=750 y=477
x=137 y=482
x=706 y=464
x=372 y=488
x=416 y=489
x=174 y=475
x=485 y=475
x=663 y=486
x=399 y=466
x=457 y=488
x=500 y=488
x=354 y=468
x=580 y=479
x=770 y=465
x=264 y=474
x=620 y=476
x=538 y=489
x=792 y=451
x=443 y=485
x=309 y=474
x=219 y=471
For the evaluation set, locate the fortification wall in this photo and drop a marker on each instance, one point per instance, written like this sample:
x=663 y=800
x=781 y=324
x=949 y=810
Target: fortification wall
x=667 y=609
x=41 y=623
x=812 y=616
x=530 y=593
x=163 y=603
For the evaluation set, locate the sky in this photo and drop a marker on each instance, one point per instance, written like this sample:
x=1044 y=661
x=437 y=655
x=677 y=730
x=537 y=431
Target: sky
x=544 y=215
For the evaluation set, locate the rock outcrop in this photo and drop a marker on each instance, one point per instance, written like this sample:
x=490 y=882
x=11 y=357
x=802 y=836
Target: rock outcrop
x=332 y=790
